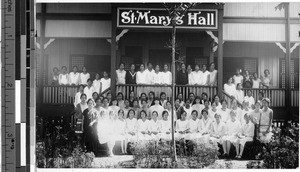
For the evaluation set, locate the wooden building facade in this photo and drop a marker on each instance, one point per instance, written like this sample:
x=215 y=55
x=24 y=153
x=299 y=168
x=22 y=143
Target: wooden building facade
x=250 y=36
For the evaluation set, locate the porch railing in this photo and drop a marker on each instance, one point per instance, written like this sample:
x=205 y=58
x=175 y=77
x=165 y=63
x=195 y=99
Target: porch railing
x=59 y=94
x=294 y=98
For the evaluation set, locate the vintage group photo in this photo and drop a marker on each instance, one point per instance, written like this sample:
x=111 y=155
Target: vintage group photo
x=167 y=85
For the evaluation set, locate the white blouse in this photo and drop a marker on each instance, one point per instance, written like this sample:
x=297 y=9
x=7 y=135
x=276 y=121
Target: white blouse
x=224 y=114
x=248 y=129
x=141 y=77
x=197 y=77
x=198 y=108
x=89 y=92
x=63 y=79
x=205 y=125
x=237 y=79
x=204 y=78
x=120 y=76
x=233 y=128
x=165 y=126
x=193 y=125
x=188 y=112
x=157 y=79
x=166 y=78
x=239 y=95
x=250 y=100
x=143 y=125
x=181 y=125
x=212 y=77
x=74 y=78
x=190 y=78
x=120 y=126
x=218 y=129
x=77 y=98
x=211 y=113
x=159 y=109
x=154 y=125
x=230 y=89
x=96 y=85
x=105 y=84
x=150 y=76
x=83 y=78
x=256 y=83
x=131 y=125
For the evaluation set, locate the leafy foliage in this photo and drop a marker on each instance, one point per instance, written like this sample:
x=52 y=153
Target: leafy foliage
x=282 y=151
x=158 y=154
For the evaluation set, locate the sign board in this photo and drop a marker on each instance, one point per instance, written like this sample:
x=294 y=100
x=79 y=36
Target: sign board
x=159 y=18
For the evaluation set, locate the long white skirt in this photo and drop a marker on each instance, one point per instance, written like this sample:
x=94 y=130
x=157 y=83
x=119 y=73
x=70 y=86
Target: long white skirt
x=131 y=138
x=215 y=140
x=230 y=138
x=143 y=137
x=243 y=140
x=105 y=131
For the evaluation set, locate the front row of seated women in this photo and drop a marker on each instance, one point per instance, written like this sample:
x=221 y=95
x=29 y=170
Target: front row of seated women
x=107 y=124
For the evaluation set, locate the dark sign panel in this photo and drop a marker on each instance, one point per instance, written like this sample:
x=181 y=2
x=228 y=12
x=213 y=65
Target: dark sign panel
x=159 y=18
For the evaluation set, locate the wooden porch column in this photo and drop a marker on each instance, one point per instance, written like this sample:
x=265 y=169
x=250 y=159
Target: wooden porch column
x=220 y=50
x=287 y=62
x=113 y=48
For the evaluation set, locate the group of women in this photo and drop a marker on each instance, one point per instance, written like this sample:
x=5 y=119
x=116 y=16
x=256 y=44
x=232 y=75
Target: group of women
x=148 y=117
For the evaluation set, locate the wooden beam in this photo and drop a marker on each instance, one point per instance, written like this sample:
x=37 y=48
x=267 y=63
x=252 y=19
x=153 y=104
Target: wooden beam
x=113 y=59
x=287 y=61
x=74 y=16
x=220 y=51
x=267 y=20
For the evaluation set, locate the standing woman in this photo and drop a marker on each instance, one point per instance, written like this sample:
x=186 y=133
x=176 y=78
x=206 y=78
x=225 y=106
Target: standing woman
x=182 y=76
x=87 y=127
x=190 y=73
x=230 y=88
x=247 y=80
x=265 y=123
x=84 y=76
x=197 y=79
x=130 y=77
x=233 y=128
x=141 y=79
x=55 y=76
x=78 y=119
x=63 y=78
x=78 y=95
x=157 y=79
x=74 y=76
x=205 y=75
x=166 y=77
x=120 y=77
x=255 y=81
x=266 y=79
x=97 y=83
x=212 y=77
x=238 y=78
x=120 y=131
x=105 y=82
x=239 y=93
x=131 y=126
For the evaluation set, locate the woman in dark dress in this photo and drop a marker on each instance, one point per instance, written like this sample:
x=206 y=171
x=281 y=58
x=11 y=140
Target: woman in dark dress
x=87 y=128
x=96 y=145
x=130 y=76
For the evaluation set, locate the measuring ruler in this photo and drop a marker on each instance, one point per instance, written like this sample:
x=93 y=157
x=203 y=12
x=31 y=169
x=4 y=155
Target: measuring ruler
x=8 y=50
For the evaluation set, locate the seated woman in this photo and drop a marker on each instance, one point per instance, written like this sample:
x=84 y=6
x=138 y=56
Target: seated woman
x=265 y=123
x=181 y=127
x=146 y=109
x=126 y=107
x=120 y=98
x=143 y=96
x=131 y=126
x=180 y=97
x=114 y=108
x=131 y=98
x=156 y=106
x=154 y=126
x=193 y=126
x=205 y=126
x=224 y=111
x=217 y=130
x=197 y=106
x=95 y=96
x=143 y=127
x=165 y=127
x=188 y=109
x=246 y=135
x=233 y=127
x=120 y=131
x=136 y=108
x=212 y=111
x=163 y=99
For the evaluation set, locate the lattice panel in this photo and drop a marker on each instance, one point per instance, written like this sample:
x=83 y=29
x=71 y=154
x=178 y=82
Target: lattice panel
x=77 y=61
x=250 y=65
x=127 y=61
x=292 y=71
x=38 y=70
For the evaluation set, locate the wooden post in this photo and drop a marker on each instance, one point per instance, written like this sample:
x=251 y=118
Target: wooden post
x=211 y=53
x=220 y=51
x=113 y=47
x=287 y=62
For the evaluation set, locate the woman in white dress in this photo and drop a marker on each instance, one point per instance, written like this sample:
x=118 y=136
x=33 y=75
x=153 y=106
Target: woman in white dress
x=165 y=127
x=216 y=99
x=266 y=79
x=256 y=82
x=78 y=94
x=212 y=77
x=205 y=126
x=238 y=78
x=233 y=127
x=97 y=83
x=105 y=126
x=105 y=82
x=143 y=126
x=265 y=122
x=84 y=76
x=154 y=126
x=114 y=108
x=193 y=127
x=120 y=131
x=229 y=87
x=141 y=79
x=205 y=75
x=197 y=106
x=212 y=111
x=224 y=111
x=217 y=130
x=181 y=127
x=166 y=79
x=156 y=107
x=63 y=77
x=74 y=76
x=131 y=126
x=190 y=73
x=239 y=93
x=163 y=99
x=180 y=97
x=120 y=77
x=120 y=99
x=157 y=79
x=246 y=135
x=188 y=109
x=238 y=111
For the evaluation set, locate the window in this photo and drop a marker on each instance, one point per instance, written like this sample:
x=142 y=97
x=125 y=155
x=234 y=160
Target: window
x=294 y=73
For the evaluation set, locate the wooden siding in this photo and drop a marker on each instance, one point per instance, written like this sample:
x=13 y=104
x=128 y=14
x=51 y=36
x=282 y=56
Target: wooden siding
x=294 y=9
x=294 y=29
x=78 y=29
x=79 y=8
x=254 y=32
x=252 y=10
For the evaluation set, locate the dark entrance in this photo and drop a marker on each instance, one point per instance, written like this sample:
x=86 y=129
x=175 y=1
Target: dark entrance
x=160 y=57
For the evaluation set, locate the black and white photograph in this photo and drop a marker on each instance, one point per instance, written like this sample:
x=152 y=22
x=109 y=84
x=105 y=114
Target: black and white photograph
x=138 y=85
